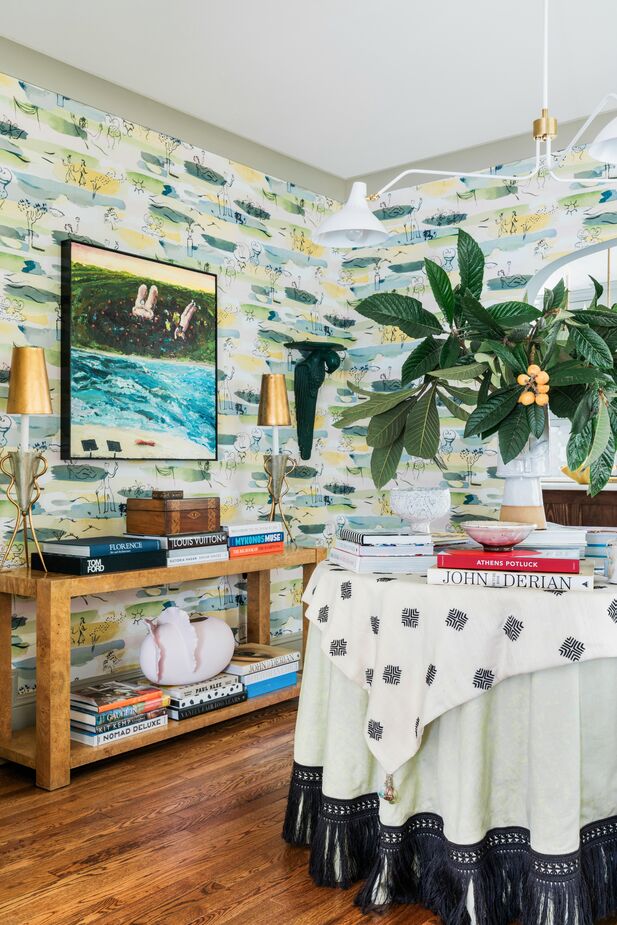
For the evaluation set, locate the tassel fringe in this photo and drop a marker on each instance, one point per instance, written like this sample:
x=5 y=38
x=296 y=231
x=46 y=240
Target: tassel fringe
x=501 y=877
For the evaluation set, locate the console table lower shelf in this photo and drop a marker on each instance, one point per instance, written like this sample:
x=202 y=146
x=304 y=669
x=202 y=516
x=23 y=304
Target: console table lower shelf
x=47 y=747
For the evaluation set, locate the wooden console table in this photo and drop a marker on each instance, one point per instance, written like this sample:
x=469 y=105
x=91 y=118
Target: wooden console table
x=47 y=746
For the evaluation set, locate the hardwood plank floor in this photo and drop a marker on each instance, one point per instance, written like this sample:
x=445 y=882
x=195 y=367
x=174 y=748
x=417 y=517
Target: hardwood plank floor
x=184 y=833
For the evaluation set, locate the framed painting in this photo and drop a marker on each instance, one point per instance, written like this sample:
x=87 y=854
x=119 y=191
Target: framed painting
x=138 y=357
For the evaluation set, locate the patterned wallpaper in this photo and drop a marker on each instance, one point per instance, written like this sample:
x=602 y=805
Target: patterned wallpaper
x=68 y=169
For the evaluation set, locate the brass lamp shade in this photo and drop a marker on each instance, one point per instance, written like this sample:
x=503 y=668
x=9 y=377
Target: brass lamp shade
x=273 y=404
x=28 y=382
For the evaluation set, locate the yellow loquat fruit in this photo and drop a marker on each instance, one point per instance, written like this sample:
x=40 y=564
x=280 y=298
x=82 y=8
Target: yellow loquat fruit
x=542 y=377
x=522 y=379
x=542 y=389
x=533 y=370
x=542 y=399
x=527 y=398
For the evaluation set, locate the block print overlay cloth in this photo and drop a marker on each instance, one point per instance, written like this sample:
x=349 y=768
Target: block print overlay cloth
x=420 y=650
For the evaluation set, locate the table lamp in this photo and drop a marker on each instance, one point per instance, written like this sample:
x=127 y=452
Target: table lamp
x=274 y=412
x=28 y=394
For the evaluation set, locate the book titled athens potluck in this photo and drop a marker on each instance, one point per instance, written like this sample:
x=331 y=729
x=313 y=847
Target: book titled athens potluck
x=101 y=546
x=540 y=581
x=529 y=560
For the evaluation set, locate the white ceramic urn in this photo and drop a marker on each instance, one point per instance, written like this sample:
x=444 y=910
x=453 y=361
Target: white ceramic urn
x=183 y=650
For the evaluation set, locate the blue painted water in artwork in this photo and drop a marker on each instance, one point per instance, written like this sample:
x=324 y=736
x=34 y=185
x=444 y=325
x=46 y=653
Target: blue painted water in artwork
x=176 y=401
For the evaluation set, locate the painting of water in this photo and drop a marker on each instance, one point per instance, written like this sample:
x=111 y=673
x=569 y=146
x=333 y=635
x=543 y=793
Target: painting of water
x=138 y=357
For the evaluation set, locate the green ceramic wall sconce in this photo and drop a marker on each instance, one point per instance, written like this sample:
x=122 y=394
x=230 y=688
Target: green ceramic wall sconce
x=318 y=358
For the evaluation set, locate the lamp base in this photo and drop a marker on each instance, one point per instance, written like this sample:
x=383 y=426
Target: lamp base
x=23 y=469
x=278 y=466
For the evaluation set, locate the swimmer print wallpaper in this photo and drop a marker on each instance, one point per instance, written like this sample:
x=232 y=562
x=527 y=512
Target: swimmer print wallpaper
x=138 y=357
x=69 y=171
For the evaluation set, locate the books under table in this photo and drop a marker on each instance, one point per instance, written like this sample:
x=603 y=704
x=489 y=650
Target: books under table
x=109 y=710
x=265 y=669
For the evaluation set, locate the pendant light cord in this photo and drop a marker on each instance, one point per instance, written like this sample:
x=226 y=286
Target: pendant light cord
x=545 y=65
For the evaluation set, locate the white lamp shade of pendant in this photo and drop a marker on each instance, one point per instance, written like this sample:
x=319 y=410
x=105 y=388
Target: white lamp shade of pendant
x=354 y=225
x=604 y=146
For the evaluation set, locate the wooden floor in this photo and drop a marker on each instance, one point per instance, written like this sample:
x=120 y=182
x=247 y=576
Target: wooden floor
x=184 y=833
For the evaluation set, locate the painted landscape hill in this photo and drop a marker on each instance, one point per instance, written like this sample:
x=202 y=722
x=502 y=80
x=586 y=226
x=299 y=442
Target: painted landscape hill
x=102 y=318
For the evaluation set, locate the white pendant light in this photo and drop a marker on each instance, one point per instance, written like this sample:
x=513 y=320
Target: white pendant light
x=354 y=225
x=604 y=147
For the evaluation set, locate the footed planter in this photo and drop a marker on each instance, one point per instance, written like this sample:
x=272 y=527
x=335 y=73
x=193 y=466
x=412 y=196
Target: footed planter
x=522 y=500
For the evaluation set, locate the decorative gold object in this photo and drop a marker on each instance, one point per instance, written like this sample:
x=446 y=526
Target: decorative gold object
x=28 y=394
x=274 y=412
x=545 y=126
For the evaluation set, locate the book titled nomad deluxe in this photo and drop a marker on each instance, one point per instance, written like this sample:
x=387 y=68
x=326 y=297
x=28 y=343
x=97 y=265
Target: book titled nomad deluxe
x=104 y=737
x=81 y=565
x=528 y=561
x=486 y=579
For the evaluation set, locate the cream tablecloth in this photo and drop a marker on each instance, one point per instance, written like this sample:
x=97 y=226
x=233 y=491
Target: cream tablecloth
x=507 y=811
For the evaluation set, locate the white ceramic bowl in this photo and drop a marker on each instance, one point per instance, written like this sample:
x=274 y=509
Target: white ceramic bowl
x=497 y=536
x=418 y=506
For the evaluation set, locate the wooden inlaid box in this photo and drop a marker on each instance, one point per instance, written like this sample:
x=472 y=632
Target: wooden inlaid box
x=166 y=517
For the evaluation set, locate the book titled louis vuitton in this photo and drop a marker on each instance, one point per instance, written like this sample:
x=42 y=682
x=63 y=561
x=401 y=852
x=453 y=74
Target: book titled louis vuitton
x=543 y=581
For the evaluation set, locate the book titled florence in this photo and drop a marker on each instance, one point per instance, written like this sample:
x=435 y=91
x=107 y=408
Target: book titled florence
x=101 y=546
x=384 y=537
x=96 y=565
x=543 y=581
x=528 y=561
x=124 y=732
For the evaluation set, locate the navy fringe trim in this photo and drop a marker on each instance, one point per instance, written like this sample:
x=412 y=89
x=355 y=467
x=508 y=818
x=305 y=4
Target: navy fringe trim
x=415 y=863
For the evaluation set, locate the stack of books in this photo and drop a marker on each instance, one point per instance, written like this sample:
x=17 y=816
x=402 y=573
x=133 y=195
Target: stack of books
x=191 y=548
x=100 y=554
x=549 y=560
x=396 y=551
x=110 y=710
x=597 y=550
x=264 y=669
x=188 y=700
x=265 y=538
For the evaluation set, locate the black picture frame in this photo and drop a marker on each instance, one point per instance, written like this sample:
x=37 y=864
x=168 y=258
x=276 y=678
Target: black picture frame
x=66 y=319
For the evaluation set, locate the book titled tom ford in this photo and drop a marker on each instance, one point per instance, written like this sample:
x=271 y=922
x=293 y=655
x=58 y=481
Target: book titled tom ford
x=543 y=581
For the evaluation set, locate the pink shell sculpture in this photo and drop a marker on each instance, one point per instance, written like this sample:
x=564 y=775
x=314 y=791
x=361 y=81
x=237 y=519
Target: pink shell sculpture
x=181 y=650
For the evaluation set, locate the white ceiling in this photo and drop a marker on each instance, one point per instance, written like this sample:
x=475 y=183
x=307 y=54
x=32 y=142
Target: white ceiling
x=348 y=86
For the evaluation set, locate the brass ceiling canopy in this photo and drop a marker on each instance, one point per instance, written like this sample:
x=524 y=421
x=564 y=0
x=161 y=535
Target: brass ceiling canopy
x=545 y=127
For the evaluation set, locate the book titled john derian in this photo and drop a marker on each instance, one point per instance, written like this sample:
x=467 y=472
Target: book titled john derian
x=544 y=581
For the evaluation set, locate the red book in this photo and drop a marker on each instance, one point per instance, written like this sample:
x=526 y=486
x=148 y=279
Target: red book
x=529 y=560
x=259 y=549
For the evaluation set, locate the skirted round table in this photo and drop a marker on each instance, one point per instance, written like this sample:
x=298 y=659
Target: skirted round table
x=488 y=802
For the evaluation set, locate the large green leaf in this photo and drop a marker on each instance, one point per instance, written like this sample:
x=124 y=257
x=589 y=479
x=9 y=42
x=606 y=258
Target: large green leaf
x=584 y=411
x=401 y=311
x=513 y=433
x=600 y=470
x=504 y=353
x=464 y=395
x=470 y=263
x=422 y=431
x=573 y=373
x=450 y=352
x=378 y=403
x=559 y=294
x=512 y=314
x=597 y=318
x=479 y=319
x=564 y=400
x=485 y=387
x=455 y=409
x=384 y=428
x=601 y=434
x=441 y=288
x=421 y=360
x=385 y=460
x=494 y=410
x=578 y=447
x=460 y=373
x=536 y=417
x=591 y=347
x=598 y=290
